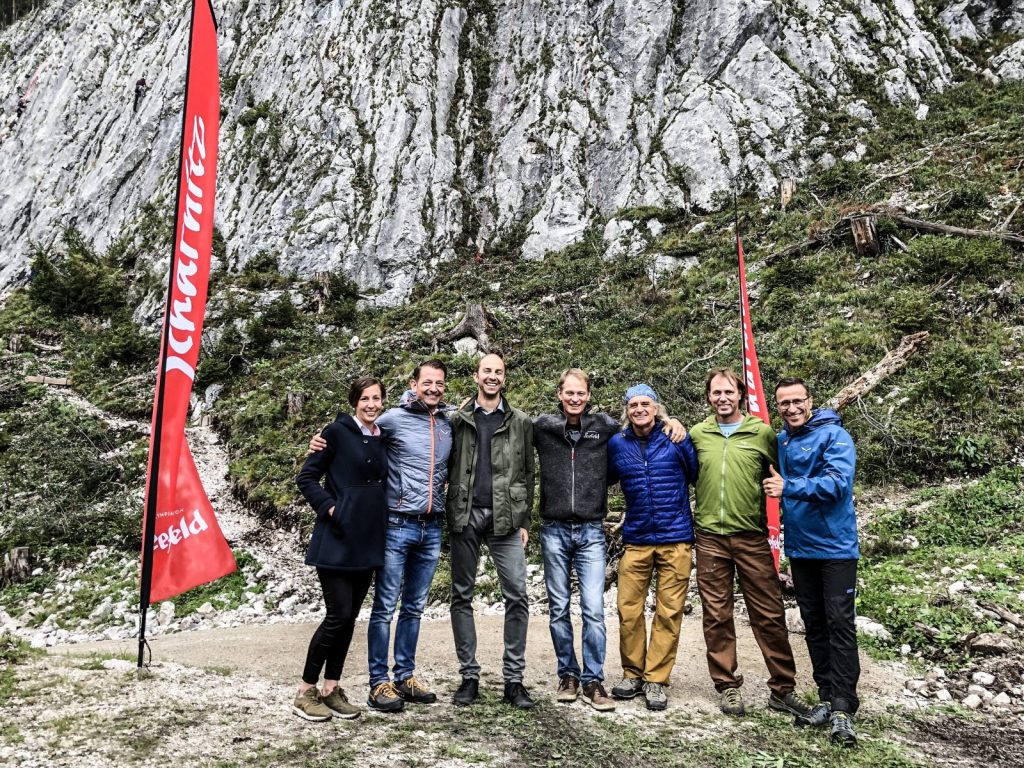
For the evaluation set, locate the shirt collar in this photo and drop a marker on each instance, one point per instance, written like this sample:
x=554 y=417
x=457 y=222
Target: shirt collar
x=499 y=407
x=373 y=431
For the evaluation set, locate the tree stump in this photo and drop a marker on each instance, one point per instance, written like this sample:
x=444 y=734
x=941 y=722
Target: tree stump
x=296 y=402
x=865 y=235
x=14 y=343
x=15 y=566
x=476 y=322
x=786 y=191
x=321 y=291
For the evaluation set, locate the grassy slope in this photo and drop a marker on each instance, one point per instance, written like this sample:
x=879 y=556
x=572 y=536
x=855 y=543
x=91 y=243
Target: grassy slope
x=826 y=315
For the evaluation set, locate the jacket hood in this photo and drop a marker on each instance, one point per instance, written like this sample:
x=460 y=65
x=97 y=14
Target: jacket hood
x=819 y=418
x=417 y=406
x=347 y=420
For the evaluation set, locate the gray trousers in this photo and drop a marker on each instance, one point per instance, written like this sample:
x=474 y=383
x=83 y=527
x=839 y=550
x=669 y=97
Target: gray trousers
x=510 y=561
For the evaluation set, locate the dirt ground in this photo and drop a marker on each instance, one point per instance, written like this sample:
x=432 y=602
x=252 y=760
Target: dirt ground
x=275 y=652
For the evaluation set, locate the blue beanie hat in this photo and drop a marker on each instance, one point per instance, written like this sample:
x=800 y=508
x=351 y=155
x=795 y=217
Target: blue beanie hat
x=637 y=390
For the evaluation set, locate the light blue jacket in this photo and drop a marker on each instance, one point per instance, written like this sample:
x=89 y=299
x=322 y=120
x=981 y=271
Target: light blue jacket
x=817 y=463
x=418 y=444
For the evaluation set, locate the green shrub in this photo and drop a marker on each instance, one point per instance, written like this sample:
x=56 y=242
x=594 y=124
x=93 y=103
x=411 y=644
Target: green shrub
x=64 y=478
x=76 y=282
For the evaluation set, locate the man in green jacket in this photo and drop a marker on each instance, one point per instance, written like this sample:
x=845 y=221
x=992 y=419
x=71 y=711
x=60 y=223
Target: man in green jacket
x=490 y=497
x=734 y=453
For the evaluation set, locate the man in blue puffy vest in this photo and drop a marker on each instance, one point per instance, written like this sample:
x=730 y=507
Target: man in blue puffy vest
x=655 y=475
x=815 y=485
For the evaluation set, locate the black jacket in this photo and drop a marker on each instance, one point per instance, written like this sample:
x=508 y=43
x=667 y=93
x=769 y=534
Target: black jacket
x=573 y=481
x=356 y=470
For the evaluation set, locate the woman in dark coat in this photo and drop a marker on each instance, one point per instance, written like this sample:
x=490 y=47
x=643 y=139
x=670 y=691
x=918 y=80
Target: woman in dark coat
x=347 y=544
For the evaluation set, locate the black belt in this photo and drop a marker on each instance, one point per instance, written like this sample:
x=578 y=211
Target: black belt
x=424 y=518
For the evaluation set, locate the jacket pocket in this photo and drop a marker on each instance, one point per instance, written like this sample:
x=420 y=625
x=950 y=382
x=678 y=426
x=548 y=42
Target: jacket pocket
x=517 y=506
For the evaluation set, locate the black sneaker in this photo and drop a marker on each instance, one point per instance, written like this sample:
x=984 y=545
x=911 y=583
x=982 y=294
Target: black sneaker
x=517 y=696
x=412 y=690
x=841 y=729
x=790 y=703
x=384 y=698
x=468 y=691
x=817 y=717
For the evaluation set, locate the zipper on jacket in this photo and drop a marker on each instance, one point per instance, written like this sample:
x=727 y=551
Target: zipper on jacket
x=430 y=477
x=721 y=489
x=644 y=445
x=572 y=463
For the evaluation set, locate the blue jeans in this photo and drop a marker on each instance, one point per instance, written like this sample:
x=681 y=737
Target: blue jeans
x=411 y=551
x=565 y=546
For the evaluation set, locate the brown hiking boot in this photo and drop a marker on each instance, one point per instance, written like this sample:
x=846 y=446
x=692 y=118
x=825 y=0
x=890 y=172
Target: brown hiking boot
x=594 y=693
x=568 y=689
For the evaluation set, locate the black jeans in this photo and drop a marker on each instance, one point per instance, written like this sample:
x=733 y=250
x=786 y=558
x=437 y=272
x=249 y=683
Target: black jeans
x=344 y=592
x=825 y=592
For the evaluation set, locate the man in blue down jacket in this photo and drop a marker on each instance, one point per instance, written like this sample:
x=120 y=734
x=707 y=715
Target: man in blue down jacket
x=658 y=533
x=815 y=484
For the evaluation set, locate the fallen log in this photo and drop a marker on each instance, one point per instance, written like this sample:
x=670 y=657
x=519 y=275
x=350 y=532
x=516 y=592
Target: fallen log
x=946 y=229
x=871 y=378
x=825 y=234
x=1006 y=615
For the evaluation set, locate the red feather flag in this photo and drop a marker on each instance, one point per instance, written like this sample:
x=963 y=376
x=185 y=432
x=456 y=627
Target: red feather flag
x=182 y=545
x=757 y=404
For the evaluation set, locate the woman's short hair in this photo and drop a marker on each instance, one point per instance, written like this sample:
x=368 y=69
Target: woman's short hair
x=362 y=384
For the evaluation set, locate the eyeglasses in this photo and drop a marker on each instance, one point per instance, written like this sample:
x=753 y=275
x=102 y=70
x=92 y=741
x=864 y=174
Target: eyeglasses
x=786 y=404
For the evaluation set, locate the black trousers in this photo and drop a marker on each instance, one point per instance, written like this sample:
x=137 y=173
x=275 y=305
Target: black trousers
x=825 y=593
x=344 y=592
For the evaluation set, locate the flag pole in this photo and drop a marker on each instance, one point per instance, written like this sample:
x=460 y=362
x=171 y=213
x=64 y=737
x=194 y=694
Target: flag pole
x=152 y=491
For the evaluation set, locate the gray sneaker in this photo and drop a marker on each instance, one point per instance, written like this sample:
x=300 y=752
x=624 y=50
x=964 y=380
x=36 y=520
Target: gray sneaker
x=818 y=716
x=841 y=729
x=732 y=702
x=657 y=699
x=309 y=707
x=628 y=687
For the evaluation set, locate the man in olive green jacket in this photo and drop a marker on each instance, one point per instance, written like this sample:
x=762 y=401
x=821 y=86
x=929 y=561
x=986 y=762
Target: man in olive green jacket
x=734 y=453
x=490 y=497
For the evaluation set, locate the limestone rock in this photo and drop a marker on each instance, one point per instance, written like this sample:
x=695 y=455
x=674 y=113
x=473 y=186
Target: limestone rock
x=361 y=137
x=992 y=644
x=1009 y=65
x=971 y=701
x=794 y=622
x=872 y=628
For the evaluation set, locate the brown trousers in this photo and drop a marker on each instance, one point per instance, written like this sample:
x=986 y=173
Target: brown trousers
x=749 y=557
x=652 y=662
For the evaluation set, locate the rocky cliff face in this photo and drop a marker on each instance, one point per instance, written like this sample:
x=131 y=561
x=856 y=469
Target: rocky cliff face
x=379 y=137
